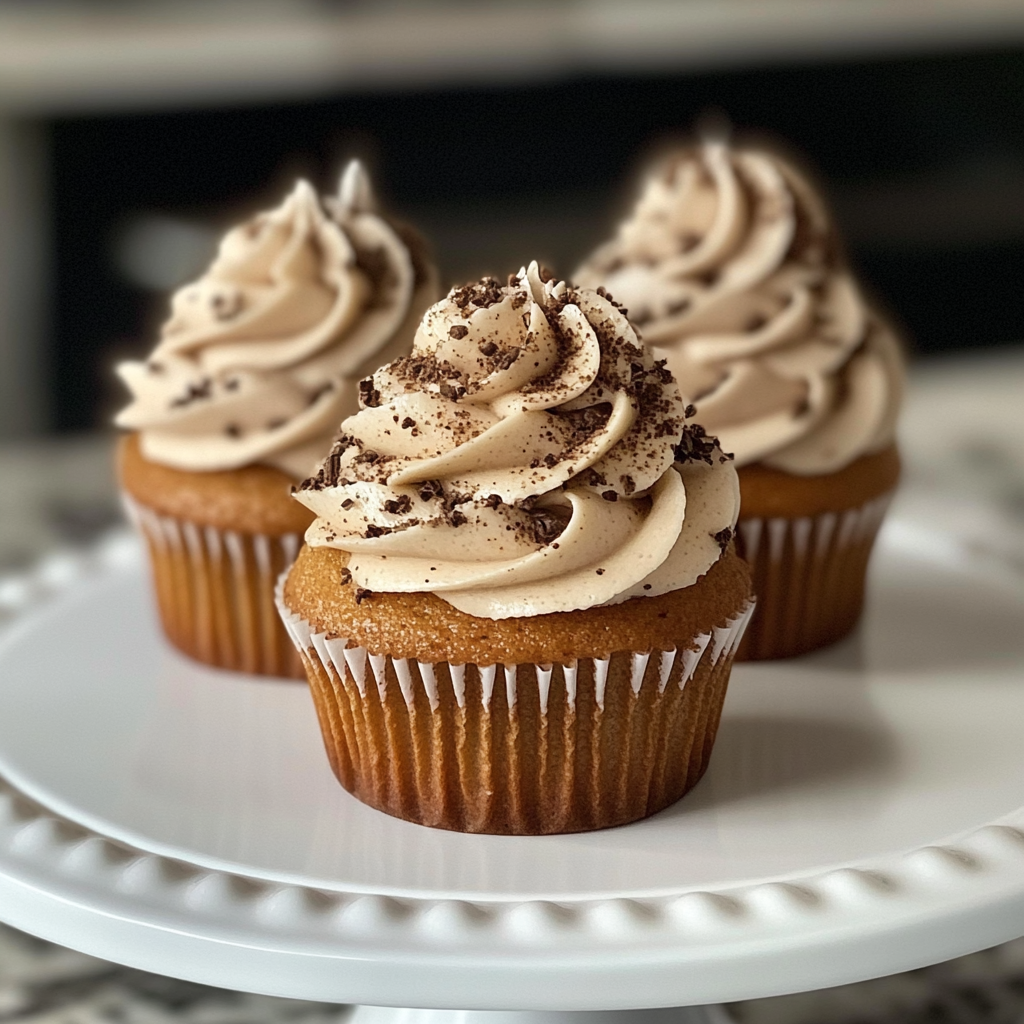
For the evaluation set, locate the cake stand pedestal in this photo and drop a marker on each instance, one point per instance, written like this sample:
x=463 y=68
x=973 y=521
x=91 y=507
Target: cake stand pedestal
x=863 y=814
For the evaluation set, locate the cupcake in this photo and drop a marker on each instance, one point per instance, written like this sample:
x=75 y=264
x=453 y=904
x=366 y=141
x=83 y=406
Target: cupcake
x=519 y=602
x=254 y=370
x=730 y=265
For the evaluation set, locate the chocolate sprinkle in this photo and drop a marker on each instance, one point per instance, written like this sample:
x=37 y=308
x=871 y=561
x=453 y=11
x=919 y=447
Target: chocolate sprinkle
x=369 y=396
x=482 y=294
x=696 y=445
x=194 y=393
x=547 y=524
x=362 y=594
x=399 y=506
x=723 y=537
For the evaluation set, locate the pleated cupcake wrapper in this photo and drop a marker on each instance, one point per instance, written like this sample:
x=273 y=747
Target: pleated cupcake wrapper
x=519 y=749
x=809 y=576
x=215 y=591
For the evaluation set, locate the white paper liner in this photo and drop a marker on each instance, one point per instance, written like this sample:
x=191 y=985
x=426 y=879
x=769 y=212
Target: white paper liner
x=808 y=576
x=521 y=749
x=253 y=561
x=653 y=668
x=855 y=524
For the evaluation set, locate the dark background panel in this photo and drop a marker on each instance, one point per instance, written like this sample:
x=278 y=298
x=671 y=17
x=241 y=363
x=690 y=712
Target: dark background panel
x=923 y=158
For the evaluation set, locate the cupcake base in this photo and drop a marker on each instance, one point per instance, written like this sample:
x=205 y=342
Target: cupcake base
x=215 y=592
x=519 y=749
x=808 y=541
x=809 y=577
x=217 y=542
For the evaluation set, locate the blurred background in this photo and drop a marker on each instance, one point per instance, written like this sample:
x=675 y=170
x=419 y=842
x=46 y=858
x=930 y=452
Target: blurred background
x=132 y=133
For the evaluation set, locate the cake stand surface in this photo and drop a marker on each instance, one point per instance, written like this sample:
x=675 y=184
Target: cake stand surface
x=863 y=814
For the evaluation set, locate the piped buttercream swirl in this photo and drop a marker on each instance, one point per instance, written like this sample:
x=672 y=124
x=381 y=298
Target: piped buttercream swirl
x=523 y=460
x=729 y=265
x=258 y=360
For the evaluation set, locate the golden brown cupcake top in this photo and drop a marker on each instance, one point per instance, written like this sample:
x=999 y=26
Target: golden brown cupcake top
x=731 y=267
x=320 y=589
x=529 y=457
x=258 y=361
x=252 y=499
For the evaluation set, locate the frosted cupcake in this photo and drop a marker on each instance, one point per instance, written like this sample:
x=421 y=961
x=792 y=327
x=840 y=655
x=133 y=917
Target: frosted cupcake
x=254 y=370
x=519 y=604
x=730 y=266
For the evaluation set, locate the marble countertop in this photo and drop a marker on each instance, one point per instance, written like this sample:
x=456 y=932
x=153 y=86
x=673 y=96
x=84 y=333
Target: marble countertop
x=962 y=438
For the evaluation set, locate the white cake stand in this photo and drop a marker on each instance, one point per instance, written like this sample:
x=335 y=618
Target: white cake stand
x=863 y=814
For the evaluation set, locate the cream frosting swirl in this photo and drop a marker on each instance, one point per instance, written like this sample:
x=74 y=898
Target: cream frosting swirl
x=258 y=359
x=528 y=457
x=730 y=266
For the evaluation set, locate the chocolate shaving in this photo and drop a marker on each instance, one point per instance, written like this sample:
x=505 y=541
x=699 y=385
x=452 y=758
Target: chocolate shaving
x=431 y=489
x=346 y=576
x=696 y=445
x=194 y=393
x=723 y=537
x=507 y=358
x=547 y=524
x=369 y=396
x=226 y=305
x=362 y=594
x=482 y=294
x=458 y=332
x=398 y=506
